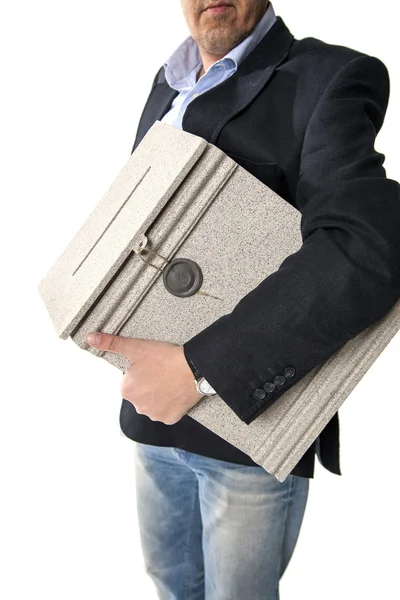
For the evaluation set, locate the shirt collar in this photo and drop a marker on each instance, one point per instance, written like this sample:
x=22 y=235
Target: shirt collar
x=184 y=63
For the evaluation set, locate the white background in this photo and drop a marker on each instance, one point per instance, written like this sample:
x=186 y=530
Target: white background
x=75 y=76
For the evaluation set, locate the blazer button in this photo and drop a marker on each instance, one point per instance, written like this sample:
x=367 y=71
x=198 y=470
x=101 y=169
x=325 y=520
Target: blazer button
x=269 y=386
x=289 y=372
x=259 y=394
x=279 y=380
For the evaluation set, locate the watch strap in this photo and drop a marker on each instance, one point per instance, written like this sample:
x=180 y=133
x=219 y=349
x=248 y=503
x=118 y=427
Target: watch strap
x=194 y=369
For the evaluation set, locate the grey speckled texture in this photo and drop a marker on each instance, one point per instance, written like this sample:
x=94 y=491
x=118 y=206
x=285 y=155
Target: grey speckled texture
x=184 y=197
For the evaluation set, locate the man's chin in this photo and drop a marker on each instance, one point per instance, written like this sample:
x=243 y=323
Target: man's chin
x=216 y=48
x=218 y=44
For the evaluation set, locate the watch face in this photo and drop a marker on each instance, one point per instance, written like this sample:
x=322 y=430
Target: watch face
x=205 y=387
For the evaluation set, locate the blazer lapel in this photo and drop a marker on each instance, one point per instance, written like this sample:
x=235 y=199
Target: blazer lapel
x=157 y=105
x=208 y=113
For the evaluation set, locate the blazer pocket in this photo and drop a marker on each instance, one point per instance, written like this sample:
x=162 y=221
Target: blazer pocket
x=268 y=173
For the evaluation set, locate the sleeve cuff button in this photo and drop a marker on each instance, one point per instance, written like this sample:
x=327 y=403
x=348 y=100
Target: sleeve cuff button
x=279 y=380
x=289 y=372
x=259 y=394
x=269 y=386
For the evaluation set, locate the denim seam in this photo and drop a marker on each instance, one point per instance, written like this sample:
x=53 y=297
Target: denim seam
x=189 y=545
x=284 y=521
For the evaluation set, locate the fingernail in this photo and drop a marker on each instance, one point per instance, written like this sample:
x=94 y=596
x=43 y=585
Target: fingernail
x=94 y=339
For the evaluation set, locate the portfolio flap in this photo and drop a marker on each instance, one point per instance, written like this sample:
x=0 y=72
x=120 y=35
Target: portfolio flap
x=140 y=191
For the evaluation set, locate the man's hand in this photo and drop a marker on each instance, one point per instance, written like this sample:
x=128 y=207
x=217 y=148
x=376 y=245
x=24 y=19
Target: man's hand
x=159 y=382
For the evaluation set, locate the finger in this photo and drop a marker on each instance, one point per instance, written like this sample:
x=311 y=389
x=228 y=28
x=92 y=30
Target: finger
x=112 y=343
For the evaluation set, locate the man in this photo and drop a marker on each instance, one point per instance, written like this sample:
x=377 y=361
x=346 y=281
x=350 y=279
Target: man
x=302 y=116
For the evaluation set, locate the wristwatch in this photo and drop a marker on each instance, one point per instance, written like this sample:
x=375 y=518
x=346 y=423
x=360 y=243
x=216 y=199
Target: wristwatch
x=202 y=385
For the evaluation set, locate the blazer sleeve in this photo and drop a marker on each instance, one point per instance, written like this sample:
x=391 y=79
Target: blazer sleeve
x=346 y=274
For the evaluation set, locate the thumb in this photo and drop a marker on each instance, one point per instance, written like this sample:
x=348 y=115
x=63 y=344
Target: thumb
x=112 y=343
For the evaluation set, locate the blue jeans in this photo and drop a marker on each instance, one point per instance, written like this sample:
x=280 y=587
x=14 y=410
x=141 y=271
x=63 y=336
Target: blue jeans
x=214 y=530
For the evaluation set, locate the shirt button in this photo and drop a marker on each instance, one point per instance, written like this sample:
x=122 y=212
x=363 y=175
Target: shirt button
x=289 y=372
x=279 y=380
x=259 y=394
x=195 y=95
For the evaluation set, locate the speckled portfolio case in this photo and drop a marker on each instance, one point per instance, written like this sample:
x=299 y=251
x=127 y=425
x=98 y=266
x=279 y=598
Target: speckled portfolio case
x=179 y=198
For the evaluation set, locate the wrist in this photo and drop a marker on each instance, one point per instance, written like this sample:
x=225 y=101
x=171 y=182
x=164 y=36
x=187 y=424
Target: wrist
x=202 y=385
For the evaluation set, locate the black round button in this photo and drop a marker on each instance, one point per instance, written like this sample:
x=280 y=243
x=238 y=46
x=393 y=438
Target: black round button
x=269 y=386
x=259 y=394
x=289 y=372
x=182 y=277
x=279 y=380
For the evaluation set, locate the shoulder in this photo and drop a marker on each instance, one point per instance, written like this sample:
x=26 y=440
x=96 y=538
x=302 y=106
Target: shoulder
x=323 y=69
x=321 y=61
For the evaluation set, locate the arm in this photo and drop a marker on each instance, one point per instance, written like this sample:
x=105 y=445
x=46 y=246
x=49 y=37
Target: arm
x=345 y=276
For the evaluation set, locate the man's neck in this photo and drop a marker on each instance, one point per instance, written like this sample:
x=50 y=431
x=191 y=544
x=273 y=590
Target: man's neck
x=200 y=73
